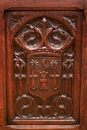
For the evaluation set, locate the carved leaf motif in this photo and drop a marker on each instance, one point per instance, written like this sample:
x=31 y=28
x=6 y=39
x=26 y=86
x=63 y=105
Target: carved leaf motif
x=15 y=20
x=44 y=35
x=72 y=20
x=68 y=64
x=49 y=60
x=19 y=64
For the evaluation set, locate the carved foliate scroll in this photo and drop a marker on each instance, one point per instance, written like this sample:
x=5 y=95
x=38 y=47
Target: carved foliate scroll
x=45 y=34
x=43 y=62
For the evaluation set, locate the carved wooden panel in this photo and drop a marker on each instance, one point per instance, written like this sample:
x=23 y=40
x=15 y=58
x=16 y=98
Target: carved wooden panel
x=44 y=82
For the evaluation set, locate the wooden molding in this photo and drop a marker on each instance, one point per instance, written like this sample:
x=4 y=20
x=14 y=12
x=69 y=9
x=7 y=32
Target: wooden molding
x=41 y=5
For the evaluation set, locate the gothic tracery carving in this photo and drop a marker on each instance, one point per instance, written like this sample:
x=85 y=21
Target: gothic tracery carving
x=15 y=20
x=44 y=34
x=46 y=43
x=72 y=20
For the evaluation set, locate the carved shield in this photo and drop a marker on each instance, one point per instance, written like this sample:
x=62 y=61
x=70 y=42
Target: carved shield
x=44 y=76
x=44 y=43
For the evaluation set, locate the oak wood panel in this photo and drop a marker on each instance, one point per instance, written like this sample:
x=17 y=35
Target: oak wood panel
x=41 y=5
x=2 y=70
x=41 y=127
x=11 y=30
x=84 y=75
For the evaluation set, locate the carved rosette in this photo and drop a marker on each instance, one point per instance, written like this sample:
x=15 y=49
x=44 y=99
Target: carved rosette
x=43 y=61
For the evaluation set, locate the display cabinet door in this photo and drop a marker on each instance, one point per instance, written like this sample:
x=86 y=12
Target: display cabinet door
x=43 y=63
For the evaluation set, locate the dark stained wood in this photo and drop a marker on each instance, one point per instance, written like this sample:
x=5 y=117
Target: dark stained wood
x=43 y=64
x=45 y=74
x=84 y=75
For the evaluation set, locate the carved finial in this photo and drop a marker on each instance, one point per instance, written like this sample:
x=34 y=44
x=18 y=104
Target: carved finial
x=44 y=20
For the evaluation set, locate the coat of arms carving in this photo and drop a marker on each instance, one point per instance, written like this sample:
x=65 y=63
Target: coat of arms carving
x=44 y=42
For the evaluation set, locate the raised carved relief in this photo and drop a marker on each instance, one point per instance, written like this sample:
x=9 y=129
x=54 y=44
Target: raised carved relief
x=54 y=76
x=34 y=62
x=67 y=74
x=73 y=20
x=20 y=70
x=43 y=80
x=33 y=76
x=54 y=63
x=60 y=107
x=44 y=55
x=15 y=20
x=20 y=64
x=45 y=33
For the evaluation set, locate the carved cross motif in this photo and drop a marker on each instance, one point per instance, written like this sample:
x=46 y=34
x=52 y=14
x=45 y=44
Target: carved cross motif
x=68 y=68
x=33 y=76
x=54 y=76
x=43 y=80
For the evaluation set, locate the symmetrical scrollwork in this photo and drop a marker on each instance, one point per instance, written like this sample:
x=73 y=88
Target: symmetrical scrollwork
x=44 y=56
x=60 y=107
x=44 y=34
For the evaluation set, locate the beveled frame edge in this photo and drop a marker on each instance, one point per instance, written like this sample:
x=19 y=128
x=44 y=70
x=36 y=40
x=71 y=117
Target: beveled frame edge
x=77 y=79
x=2 y=70
x=41 y=5
x=41 y=127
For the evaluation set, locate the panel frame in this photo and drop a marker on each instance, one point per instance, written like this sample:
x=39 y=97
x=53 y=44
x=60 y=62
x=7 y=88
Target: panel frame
x=10 y=5
x=10 y=67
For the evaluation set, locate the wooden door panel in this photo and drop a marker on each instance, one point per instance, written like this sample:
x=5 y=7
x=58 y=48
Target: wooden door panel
x=43 y=50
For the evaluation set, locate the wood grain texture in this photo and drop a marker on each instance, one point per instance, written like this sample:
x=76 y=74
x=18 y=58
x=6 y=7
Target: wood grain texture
x=2 y=70
x=41 y=127
x=81 y=57
x=40 y=102
x=41 y=5
x=84 y=75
